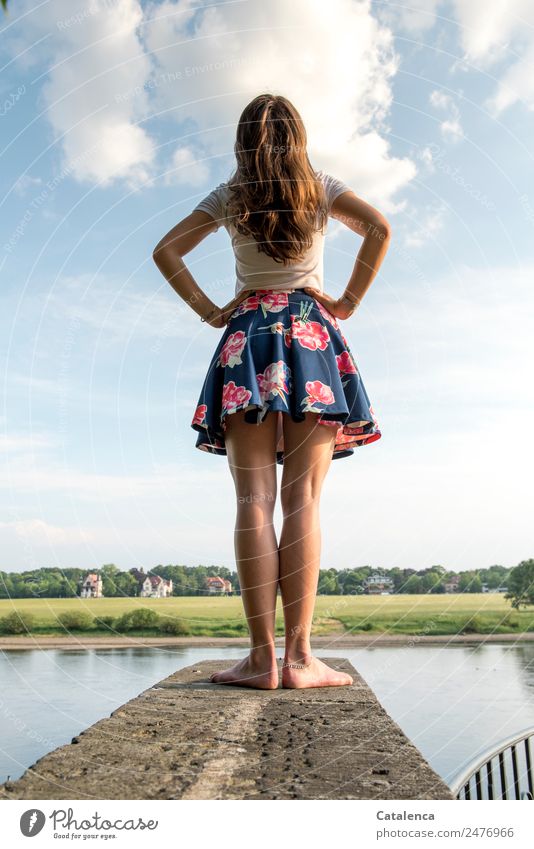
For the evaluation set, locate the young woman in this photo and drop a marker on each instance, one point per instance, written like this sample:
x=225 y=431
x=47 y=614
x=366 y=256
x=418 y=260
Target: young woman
x=282 y=386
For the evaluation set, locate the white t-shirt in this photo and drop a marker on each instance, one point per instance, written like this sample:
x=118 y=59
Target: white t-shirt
x=253 y=268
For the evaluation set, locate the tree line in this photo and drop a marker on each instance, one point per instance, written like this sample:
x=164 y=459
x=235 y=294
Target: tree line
x=412 y=581
x=50 y=582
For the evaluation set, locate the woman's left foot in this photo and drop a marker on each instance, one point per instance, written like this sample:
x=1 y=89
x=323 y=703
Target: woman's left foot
x=315 y=674
x=261 y=673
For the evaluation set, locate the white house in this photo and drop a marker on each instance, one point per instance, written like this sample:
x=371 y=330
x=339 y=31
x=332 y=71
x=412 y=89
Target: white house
x=378 y=585
x=91 y=586
x=451 y=586
x=218 y=586
x=151 y=586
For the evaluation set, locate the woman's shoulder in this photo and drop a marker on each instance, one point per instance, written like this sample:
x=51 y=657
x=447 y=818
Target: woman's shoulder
x=215 y=203
x=333 y=186
x=328 y=179
x=220 y=190
x=324 y=176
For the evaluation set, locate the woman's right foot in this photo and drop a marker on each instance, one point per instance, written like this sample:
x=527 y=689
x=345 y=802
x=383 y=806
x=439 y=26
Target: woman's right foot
x=315 y=674
x=258 y=672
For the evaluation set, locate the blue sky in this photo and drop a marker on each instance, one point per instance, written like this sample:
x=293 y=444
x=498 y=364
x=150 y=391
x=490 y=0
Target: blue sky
x=117 y=118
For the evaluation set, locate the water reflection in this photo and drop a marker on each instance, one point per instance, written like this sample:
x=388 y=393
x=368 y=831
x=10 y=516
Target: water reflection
x=453 y=700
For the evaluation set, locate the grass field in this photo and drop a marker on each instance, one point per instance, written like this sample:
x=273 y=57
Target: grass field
x=482 y=613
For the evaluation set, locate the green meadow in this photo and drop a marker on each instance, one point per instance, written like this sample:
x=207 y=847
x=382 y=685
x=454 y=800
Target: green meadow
x=482 y=613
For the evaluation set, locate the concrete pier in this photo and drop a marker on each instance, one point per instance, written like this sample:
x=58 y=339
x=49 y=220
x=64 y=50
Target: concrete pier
x=186 y=738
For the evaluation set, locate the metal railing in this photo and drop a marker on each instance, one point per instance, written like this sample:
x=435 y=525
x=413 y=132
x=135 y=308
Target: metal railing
x=504 y=771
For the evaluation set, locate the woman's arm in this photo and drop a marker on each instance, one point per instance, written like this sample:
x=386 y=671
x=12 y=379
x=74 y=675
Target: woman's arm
x=364 y=219
x=167 y=255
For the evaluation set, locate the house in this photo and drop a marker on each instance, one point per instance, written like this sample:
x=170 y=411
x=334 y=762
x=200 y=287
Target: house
x=91 y=586
x=151 y=586
x=377 y=585
x=451 y=585
x=218 y=586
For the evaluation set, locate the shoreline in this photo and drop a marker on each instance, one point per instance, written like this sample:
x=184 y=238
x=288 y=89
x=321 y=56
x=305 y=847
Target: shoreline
x=332 y=641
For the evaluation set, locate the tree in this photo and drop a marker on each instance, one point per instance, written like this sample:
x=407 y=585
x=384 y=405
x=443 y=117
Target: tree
x=327 y=583
x=494 y=577
x=430 y=580
x=395 y=575
x=476 y=585
x=6 y=586
x=352 y=584
x=413 y=585
x=125 y=584
x=470 y=583
x=110 y=575
x=521 y=584
x=400 y=580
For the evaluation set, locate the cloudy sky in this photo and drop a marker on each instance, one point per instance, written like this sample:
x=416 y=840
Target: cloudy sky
x=118 y=116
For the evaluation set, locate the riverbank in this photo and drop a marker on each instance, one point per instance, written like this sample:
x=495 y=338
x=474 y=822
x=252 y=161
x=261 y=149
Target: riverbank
x=165 y=621
x=334 y=641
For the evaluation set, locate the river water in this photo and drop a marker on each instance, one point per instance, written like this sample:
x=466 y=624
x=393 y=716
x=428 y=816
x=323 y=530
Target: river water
x=450 y=700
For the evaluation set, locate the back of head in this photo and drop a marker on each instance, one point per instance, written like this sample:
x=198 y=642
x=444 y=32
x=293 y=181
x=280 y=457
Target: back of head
x=275 y=196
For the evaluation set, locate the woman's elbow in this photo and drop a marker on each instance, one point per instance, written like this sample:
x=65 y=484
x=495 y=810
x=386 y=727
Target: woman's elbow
x=159 y=253
x=384 y=228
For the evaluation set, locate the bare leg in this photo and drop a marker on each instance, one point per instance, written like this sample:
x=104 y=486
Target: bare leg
x=308 y=450
x=252 y=460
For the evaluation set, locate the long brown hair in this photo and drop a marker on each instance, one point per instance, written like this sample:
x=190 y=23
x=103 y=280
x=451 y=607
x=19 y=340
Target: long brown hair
x=275 y=195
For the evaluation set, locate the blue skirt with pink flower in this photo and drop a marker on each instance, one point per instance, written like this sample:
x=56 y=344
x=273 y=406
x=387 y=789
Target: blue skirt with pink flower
x=283 y=351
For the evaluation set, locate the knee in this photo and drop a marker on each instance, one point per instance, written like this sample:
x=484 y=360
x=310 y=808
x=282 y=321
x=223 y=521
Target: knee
x=259 y=501
x=298 y=494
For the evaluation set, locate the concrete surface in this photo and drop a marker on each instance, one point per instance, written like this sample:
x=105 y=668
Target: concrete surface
x=186 y=738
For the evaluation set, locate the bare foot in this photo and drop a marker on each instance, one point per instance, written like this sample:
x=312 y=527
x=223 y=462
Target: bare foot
x=261 y=673
x=316 y=674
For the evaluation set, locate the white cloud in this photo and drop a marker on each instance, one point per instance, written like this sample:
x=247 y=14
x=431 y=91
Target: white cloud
x=416 y=16
x=497 y=38
x=186 y=168
x=114 y=64
x=487 y=28
x=94 y=55
x=426 y=155
x=451 y=127
x=334 y=61
x=23 y=442
x=428 y=222
x=515 y=85
x=24 y=182
x=39 y=532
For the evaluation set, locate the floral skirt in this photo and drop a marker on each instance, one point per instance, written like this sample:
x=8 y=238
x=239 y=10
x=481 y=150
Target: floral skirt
x=283 y=351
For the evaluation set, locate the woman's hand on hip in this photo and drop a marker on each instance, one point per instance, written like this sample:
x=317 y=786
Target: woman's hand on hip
x=337 y=307
x=221 y=316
